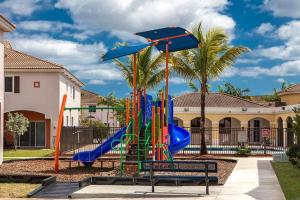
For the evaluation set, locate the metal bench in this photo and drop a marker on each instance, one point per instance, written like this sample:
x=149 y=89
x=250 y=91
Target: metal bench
x=180 y=166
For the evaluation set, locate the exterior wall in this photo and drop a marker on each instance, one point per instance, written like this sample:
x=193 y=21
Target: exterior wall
x=66 y=87
x=290 y=99
x=1 y=95
x=42 y=100
x=101 y=115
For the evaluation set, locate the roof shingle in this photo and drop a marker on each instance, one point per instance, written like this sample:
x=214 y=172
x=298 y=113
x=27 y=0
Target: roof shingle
x=213 y=100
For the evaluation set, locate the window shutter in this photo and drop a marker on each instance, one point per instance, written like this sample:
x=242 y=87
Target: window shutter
x=17 y=84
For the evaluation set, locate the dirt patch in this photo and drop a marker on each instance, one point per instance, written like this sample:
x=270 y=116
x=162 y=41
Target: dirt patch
x=45 y=167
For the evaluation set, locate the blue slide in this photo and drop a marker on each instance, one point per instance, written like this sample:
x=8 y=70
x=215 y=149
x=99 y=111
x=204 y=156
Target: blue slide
x=88 y=157
x=179 y=138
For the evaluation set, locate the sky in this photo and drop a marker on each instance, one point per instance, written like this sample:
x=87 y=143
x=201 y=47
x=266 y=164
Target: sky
x=75 y=33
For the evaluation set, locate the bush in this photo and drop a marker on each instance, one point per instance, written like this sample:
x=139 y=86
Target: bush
x=294 y=155
x=243 y=151
x=293 y=151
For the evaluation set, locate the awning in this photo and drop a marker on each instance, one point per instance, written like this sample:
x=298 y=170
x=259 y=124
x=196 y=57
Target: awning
x=179 y=38
x=123 y=51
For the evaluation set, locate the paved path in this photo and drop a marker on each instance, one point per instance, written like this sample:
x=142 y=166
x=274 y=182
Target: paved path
x=252 y=178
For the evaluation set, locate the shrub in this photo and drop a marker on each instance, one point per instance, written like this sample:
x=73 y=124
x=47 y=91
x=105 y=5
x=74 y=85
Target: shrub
x=243 y=151
x=293 y=151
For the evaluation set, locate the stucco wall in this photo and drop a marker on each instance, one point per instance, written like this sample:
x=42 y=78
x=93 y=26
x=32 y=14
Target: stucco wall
x=291 y=99
x=66 y=86
x=1 y=97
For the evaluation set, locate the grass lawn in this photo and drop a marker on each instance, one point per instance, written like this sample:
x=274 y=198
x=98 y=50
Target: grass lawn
x=28 y=153
x=16 y=190
x=289 y=179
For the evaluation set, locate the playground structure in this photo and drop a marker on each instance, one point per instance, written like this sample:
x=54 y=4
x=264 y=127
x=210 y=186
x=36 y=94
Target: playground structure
x=150 y=133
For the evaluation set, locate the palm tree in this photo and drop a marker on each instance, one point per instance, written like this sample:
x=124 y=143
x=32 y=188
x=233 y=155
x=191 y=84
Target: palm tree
x=149 y=69
x=230 y=89
x=208 y=61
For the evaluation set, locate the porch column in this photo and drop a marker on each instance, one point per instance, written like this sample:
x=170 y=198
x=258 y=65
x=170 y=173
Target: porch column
x=284 y=133
x=215 y=132
x=187 y=124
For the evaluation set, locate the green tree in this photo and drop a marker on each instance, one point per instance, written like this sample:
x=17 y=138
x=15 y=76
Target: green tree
x=17 y=124
x=273 y=97
x=149 y=69
x=110 y=101
x=206 y=62
x=230 y=89
x=296 y=123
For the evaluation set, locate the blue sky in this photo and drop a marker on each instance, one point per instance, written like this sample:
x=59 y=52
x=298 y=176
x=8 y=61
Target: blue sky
x=75 y=33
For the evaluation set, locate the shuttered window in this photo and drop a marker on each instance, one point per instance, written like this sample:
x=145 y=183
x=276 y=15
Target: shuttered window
x=17 y=84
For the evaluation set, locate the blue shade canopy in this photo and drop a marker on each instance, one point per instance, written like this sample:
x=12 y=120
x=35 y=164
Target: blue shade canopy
x=176 y=44
x=123 y=51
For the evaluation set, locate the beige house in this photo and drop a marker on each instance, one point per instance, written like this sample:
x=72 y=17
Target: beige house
x=35 y=88
x=90 y=100
x=226 y=115
x=5 y=26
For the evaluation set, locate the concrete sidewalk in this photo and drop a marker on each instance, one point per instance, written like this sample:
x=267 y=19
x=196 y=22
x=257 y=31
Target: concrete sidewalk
x=252 y=178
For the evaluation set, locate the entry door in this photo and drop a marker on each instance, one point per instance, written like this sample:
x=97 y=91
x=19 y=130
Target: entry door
x=256 y=130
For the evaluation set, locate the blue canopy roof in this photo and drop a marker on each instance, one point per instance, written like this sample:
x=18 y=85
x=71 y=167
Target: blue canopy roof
x=123 y=51
x=180 y=43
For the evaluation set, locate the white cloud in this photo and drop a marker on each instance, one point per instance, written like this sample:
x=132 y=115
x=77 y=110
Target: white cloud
x=135 y=15
x=280 y=80
x=43 y=26
x=283 y=8
x=290 y=68
x=177 y=80
x=99 y=72
x=289 y=33
x=264 y=28
x=19 y=7
x=97 y=82
x=248 y=61
x=64 y=52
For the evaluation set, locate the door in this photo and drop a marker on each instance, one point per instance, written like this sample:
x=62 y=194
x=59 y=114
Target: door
x=256 y=131
x=34 y=136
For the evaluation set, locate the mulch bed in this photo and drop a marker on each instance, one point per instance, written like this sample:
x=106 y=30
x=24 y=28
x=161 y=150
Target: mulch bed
x=45 y=167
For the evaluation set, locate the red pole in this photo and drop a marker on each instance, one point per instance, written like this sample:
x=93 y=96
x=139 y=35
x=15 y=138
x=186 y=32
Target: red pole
x=153 y=132
x=134 y=114
x=158 y=134
x=58 y=131
x=167 y=85
x=127 y=111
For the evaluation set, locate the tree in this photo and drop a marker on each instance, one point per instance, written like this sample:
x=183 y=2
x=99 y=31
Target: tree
x=208 y=61
x=17 y=124
x=230 y=89
x=296 y=123
x=110 y=101
x=273 y=97
x=149 y=69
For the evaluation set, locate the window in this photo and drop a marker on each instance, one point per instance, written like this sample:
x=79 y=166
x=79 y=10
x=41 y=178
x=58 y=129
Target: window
x=17 y=84
x=8 y=84
x=72 y=121
x=73 y=92
x=67 y=120
x=34 y=136
x=12 y=84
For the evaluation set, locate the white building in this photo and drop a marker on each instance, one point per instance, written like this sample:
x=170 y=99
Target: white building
x=35 y=88
x=91 y=99
x=5 y=26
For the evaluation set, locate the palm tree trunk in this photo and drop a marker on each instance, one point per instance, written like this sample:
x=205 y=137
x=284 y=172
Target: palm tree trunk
x=107 y=116
x=203 y=149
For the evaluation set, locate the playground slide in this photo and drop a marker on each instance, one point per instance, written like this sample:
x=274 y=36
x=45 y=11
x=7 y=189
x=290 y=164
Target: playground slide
x=179 y=138
x=88 y=157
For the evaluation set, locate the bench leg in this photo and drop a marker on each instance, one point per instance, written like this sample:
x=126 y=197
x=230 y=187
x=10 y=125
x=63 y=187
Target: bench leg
x=113 y=165
x=70 y=165
x=101 y=162
x=152 y=178
x=206 y=179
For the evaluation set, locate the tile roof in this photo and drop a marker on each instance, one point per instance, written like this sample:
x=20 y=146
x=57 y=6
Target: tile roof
x=292 y=89
x=213 y=99
x=88 y=97
x=19 y=61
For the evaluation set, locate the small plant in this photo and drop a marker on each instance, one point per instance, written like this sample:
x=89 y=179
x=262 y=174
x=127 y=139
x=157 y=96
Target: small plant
x=243 y=151
x=17 y=124
x=294 y=155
